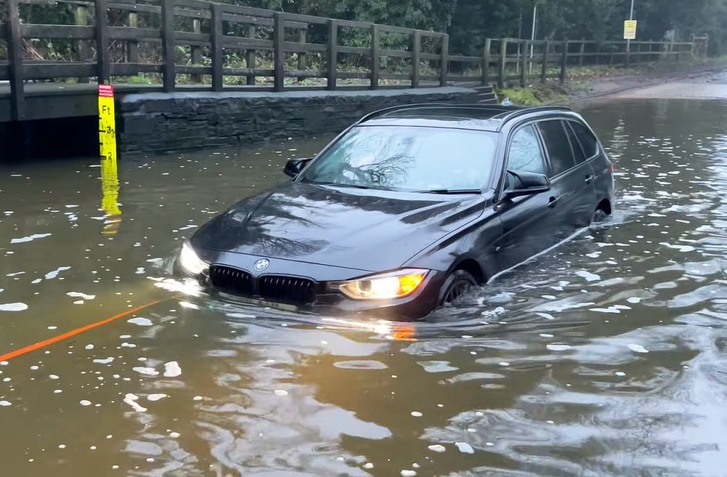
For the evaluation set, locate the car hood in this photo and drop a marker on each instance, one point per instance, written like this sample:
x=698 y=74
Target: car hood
x=367 y=230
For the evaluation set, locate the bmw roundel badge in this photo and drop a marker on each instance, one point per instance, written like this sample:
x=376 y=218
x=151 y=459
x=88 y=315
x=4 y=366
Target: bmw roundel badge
x=261 y=264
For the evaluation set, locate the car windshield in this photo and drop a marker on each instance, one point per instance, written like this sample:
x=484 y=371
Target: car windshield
x=407 y=158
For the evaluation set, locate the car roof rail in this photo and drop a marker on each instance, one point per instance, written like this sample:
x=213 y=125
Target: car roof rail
x=520 y=111
x=400 y=107
x=506 y=112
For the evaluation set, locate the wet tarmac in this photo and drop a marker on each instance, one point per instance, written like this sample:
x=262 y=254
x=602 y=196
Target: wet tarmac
x=606 y=356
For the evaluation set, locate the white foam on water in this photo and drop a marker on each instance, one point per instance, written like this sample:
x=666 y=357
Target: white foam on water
x=81 y=295
x=29 y=238
x=588 y=276
x=13 y=306
x=36 y=281
x=464 y=448
x=637 y=348
x=281 y=392
x=172 y=369
x=108 y=360
x=547 y=316
x=558 y=347
x=610 y=309
x=131 y=399
x=408 y=473
x=85 y=402
x=54 y=273
x=5 y=403
x=156 y=397
x=146 y=371
x=15 y=274
x=437 y=448
x=140 y=321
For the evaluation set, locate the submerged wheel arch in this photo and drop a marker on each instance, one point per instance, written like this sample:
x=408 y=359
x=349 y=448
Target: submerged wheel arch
x=605 y=206
x=473 y=268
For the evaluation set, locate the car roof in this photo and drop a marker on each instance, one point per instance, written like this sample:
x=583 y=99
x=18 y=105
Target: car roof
x=484 y=117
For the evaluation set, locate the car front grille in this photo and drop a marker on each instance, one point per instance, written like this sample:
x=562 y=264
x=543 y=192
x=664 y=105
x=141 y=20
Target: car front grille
x=288 y=289
x=231 y=280
x=271 y=287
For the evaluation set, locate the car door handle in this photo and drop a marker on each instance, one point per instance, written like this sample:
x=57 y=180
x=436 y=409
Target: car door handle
x=553 y=201
x=590 y=178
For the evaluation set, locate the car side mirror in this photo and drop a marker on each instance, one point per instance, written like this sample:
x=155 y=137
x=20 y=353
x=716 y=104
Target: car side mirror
x=526 y=183
x=294 y=167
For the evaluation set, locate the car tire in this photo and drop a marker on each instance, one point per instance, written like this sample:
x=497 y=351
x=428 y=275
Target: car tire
x=599 y=215
x=459 y=283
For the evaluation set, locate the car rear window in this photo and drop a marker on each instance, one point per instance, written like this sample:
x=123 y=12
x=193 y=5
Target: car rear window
x=557 y=145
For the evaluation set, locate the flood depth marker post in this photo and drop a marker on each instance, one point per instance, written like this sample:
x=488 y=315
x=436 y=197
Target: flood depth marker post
x=107 y=145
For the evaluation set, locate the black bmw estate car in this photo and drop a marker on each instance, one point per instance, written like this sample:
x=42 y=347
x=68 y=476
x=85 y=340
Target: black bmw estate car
x=407 y=209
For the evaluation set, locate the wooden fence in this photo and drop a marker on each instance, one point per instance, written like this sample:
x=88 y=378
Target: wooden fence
x=193 y=44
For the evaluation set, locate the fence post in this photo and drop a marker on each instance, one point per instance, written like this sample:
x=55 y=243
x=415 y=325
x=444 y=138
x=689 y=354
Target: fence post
x=279 y=51
x=582 y=51
x=15 y=55
x=332 y=54
x=598 y=54
x=302 y=38
x=169 y=72
x=564 y=62
x=250 y=57
x=196 y=51
x=132 y=47
x=416 y=58
x=523 y=63
x=216 y=46
x=486 y=62
x=444 y=71
x=544 y=70
x=374 y=56
x=501 y=66
x=102 y=41
x=81 y=19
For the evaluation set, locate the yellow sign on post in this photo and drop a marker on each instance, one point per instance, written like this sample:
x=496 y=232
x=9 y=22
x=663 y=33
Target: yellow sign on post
x=630 y=30
x=109 y=172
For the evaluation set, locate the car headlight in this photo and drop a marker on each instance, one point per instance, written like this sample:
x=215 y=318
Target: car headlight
x=190 y=262
x=380 y=287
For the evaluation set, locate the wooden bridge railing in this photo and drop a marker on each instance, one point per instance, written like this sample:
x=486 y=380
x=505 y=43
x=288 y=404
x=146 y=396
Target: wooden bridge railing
x=193 y=44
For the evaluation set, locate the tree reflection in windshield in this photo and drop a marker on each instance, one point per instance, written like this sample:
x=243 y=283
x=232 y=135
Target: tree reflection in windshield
x=407 y=158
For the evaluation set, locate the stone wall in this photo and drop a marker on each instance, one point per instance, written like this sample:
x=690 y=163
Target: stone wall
x=151 y=123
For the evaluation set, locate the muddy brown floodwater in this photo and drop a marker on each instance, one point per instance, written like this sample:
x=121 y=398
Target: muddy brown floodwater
x=607 y=356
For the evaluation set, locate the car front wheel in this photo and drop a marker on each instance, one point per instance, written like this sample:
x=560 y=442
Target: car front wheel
x=457 y=285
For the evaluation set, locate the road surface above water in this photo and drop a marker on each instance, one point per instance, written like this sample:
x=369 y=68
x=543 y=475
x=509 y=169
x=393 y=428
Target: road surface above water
x=605 y=357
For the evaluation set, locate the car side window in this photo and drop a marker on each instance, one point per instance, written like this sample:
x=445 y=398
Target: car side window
x=557 y=145
x=525 y=153
x=587 y=140
x=578 y=153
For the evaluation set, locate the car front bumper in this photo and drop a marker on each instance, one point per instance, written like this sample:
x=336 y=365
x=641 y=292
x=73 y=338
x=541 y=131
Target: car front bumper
x=323 y=301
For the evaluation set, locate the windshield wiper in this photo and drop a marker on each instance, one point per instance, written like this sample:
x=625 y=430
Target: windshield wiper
x=339 y=184
x=451 y=191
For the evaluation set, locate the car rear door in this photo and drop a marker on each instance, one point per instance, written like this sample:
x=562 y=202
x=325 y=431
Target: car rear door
x=528 y=222
x=571 y=178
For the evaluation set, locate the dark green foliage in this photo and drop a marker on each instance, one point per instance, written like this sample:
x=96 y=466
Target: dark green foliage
x=469 y=22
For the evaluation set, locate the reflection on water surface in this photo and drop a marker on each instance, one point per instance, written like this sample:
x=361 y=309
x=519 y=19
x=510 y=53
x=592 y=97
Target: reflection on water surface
x=604 y=357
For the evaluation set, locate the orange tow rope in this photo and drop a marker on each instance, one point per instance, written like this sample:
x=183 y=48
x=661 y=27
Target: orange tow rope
x=77 y=331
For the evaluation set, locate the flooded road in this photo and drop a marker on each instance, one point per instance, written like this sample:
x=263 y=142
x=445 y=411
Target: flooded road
x=607 y=356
